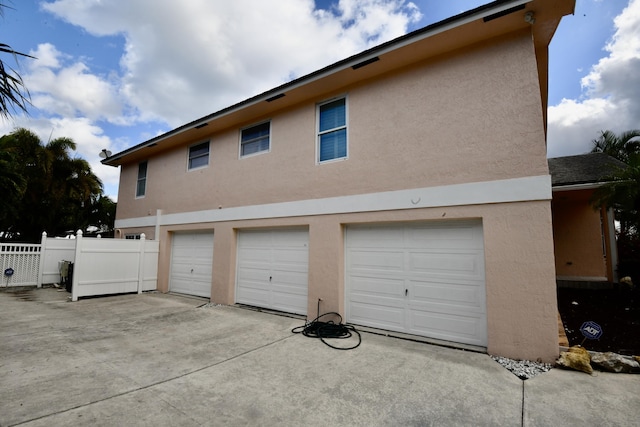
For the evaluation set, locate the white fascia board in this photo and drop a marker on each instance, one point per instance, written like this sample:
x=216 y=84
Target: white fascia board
x=476 y=193
x=575 y=187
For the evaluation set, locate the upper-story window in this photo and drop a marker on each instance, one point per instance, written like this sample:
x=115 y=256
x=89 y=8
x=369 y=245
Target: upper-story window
x=332 y=130
x=255 y=139
x=141 y=186
x=199 y=155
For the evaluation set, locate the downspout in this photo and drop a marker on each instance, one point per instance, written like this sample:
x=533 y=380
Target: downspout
x=612 y=247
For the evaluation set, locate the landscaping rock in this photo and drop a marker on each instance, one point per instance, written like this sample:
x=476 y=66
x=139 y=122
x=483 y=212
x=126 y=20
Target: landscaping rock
x=613 y=362
x=577 y=358
x=523 y=369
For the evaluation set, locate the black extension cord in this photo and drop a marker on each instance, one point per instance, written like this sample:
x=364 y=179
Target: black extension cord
x=328 y=330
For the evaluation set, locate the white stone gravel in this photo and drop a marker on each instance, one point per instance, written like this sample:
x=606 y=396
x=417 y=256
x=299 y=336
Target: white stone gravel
x=523 y=369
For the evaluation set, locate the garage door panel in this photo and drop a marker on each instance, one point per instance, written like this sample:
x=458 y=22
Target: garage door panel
x=378 y=316
x=254 y=255
x=448 y=327
x=290 y=303
x=377 y=286
x=293 y=279
x=433 y=274
x=465 y=295
x=272 y=269
x=253 y=296
x=443 y=237
x=258 y=274
x=377 y=261
x=390 y=238
x=291 y=257
x=191 y=263
x=456 y=264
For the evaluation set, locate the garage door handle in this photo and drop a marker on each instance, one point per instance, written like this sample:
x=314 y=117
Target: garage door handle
x=406 y=292
x=270 y=278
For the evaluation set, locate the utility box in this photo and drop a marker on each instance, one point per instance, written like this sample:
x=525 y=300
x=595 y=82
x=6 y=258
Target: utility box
x=66 y=274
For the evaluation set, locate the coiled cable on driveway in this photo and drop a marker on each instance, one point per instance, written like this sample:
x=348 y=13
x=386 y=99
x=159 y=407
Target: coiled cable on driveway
x=328 y=330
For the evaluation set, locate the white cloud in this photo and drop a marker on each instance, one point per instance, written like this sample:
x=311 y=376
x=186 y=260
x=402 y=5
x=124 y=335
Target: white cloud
x=68 y=89
x=611 y=98
x=183 y=62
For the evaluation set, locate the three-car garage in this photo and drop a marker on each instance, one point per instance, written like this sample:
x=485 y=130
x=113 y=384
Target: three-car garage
x=419 y=278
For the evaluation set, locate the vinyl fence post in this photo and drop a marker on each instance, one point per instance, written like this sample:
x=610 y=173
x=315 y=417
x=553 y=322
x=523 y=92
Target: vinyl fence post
x=43 y=249
x=141 y=262
x=76 y=262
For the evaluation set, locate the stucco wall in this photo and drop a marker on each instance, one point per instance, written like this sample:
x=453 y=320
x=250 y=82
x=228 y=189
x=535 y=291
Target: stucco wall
x=473 y=115
x=578 y=240
x=519 y=265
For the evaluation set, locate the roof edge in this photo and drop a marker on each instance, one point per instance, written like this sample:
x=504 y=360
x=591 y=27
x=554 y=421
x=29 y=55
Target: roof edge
x=488 y=10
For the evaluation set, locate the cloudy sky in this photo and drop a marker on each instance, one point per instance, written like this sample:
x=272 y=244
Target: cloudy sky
x=112 y=74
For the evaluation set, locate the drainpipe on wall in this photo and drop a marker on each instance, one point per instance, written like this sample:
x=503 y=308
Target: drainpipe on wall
x=613 y=244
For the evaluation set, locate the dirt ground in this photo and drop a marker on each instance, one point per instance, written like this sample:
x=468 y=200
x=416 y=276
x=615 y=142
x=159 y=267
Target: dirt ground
x=617 y=311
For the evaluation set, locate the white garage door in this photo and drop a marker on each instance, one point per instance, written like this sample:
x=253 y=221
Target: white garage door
x=422 y=279
x=273 y=269
x=191 y=264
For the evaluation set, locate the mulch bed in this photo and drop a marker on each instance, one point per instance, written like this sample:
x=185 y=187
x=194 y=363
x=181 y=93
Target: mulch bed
x=617 y=311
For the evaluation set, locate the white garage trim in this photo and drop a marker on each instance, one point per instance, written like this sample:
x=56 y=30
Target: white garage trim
x=424 y=279
x=191 y=263
x=474 y=193
x=272 y=269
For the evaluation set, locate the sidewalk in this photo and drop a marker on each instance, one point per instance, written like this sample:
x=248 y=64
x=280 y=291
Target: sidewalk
x=158 y=360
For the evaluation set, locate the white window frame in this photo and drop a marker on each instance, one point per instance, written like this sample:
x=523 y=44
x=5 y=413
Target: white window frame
x=346 y=127
x=268 y=150
x=189 y=158
x=146 y=175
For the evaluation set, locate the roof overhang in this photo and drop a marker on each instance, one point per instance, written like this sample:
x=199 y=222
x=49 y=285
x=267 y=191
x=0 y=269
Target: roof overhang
x=577 y=187
x=483 y=23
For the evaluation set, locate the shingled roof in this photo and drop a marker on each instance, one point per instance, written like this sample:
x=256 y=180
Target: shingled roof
x=582 y=169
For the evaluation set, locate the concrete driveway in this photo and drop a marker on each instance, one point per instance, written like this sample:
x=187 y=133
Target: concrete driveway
x=162 y=360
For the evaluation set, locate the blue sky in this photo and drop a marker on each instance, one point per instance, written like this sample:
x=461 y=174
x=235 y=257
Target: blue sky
x=113 y=74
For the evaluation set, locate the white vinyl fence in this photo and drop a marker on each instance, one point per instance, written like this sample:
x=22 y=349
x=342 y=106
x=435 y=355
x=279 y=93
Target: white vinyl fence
x=19 y=264
x=100 y=266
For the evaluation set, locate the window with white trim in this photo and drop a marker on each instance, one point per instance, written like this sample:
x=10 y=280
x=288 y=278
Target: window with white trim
x=199 y=155
x=255 y=139
x=141 y=185
x=332 y=130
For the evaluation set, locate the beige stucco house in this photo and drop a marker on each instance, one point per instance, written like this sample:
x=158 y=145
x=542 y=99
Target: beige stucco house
x=405 y=187
x=584 y=238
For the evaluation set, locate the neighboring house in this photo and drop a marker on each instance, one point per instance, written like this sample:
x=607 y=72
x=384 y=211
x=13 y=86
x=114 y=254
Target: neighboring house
x=584 y=237
x=406 y=187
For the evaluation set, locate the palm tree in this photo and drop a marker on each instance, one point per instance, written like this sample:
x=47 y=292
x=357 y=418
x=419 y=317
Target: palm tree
x=622 y=193
x=13 y=93
x=59 y=192
x=617 y=146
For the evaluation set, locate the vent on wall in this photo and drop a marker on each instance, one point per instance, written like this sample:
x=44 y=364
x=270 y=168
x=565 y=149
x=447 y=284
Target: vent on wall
x=274 y=97
x=365 y=62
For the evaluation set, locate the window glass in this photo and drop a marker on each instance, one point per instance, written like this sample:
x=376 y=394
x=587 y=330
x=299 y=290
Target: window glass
x=141 y=185
x=332 y=130
x=255 y=139
x=199 y=155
